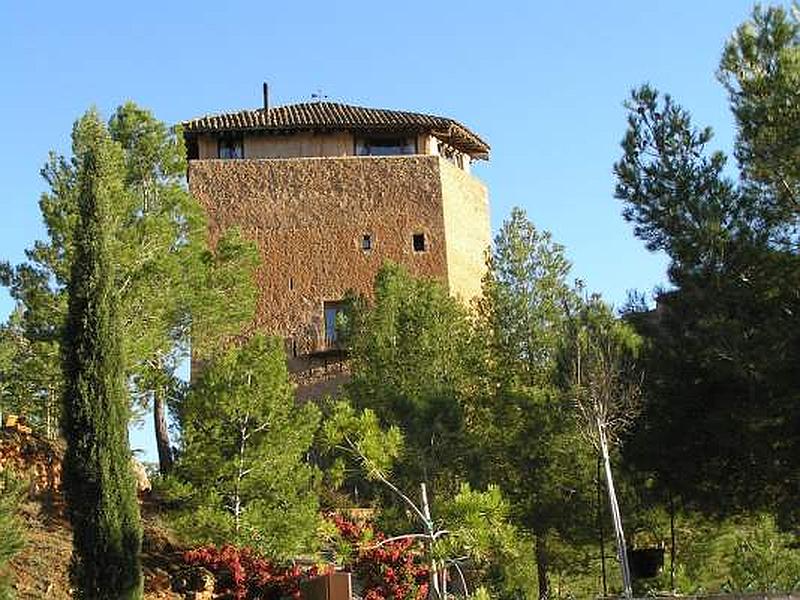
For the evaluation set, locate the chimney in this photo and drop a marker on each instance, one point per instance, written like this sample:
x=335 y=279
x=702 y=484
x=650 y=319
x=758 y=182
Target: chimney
x=266 y=99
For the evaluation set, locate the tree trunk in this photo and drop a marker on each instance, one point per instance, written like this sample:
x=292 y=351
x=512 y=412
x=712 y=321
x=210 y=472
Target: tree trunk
x=600 y=528
x=48 y=414
x=672 y=541
x=615 y=516
x=435 y=589
x=541 y=567
x=237 y=497
x=161 y=432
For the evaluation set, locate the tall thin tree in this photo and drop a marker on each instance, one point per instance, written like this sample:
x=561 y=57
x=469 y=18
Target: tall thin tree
x=599 y=362
x=98 y=480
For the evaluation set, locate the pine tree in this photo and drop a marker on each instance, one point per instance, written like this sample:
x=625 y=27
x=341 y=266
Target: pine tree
x=245 y=444
x=412 y=365
x=721 y=353
x=524 y=425
x=98 y=481
x=169 y=282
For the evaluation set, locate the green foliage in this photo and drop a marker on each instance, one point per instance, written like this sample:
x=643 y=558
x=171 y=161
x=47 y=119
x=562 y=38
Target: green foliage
x=12 y=539
x=760 y=69
x=525 y=296
x=98 y=481
x=30 y=377
x=170 y=285
x=244 y=455
x=739 y=555
x=478 y=532
x=480 y=593
x=765 y=560
x=720 y=352
x=477 y=522
x=522 y=424
x=411 y=358
x=223 y=296
x=357 y=439
x=487 y=545
x=673 y=191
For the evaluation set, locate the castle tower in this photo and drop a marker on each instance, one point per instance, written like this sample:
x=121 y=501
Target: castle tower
x=329 y=192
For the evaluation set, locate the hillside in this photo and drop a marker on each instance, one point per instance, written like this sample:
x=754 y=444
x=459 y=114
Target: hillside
x=41 y=569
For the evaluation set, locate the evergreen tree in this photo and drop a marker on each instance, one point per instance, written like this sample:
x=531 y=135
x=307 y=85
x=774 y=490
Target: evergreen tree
x=523 y=423
x=98 y=481
x=467 y=536
x=411 y=365
x=721 y=359
x=600 y=372
x=760 y=69
x=13 y=539
x=244 y=452
x=30 y=377
x=171 y=286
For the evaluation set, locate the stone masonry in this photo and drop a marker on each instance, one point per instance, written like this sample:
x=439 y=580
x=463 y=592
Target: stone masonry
x=309 y=217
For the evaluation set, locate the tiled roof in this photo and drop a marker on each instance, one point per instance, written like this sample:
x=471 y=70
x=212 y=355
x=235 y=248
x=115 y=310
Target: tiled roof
x=335 y=116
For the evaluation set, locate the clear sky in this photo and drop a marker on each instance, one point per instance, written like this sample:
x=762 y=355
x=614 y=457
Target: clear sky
x=542 y=82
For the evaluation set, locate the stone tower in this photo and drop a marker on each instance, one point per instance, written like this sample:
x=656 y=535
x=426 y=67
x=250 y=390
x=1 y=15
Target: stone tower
x=329 y=192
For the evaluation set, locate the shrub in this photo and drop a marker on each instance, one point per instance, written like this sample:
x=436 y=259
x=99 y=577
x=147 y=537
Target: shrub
x=392 y=571
x=242 y=574
x=11 y=533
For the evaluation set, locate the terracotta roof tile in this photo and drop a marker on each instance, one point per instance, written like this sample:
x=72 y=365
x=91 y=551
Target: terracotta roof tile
x=334 y=115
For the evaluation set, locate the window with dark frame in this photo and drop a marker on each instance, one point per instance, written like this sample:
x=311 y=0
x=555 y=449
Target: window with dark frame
x=385 y=146
x=366 y=242
x=333 y=312
x=418 y=242
x=230 y=147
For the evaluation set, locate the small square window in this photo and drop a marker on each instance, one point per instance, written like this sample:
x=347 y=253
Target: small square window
x=366 y=241
x=418 y=242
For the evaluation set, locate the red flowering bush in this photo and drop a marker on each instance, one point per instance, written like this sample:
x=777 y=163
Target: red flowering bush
x=392 y=571
x=243 y=575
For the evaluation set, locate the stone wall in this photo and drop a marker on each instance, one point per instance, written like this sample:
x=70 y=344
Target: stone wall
x=309 y=216
x=465 y=204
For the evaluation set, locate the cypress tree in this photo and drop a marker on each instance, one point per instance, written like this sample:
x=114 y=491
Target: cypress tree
x=98 y=480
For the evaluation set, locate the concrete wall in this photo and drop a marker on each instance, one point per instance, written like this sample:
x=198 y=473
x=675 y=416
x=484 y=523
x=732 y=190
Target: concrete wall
x=465 y=204
x=308 y=216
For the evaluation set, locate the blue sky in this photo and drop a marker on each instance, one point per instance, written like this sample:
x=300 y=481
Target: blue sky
x=543 y=83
